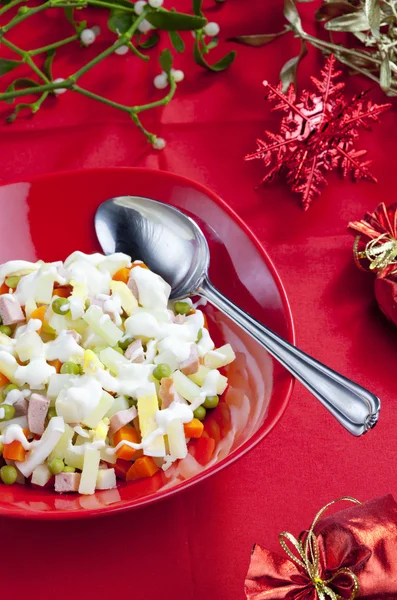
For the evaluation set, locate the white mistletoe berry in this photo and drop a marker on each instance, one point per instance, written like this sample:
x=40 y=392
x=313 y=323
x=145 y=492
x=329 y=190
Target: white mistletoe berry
x=121 y=50
x=87 y=37
x=212 y=29
x=178 y=75
x=156 y=3
x=145 y=26
x=160 y=81
x=159 y=144
x=139 y=6
x=59 y=91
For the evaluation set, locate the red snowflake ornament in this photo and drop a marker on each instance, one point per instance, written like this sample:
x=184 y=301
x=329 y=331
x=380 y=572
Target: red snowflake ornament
x=317 y=134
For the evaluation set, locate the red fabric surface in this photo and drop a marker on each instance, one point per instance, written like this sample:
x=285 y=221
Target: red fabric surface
x=197 y=545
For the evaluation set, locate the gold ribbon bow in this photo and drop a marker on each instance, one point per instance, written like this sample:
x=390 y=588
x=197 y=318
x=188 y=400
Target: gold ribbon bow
x=380 y=252
x=309 y=558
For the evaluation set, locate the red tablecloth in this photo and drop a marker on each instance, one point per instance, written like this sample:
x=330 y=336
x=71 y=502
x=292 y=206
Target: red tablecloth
x=197 y=545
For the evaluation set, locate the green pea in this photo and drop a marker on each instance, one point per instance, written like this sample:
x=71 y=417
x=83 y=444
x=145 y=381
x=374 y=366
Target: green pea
x=8 y=388
x=199 y=335
x=5 y=329
x=12 y=282
x=211 y=402
x=9 y=412
x=200 y=413
x=70 y=368
x=182 y=308
x=56 y=466
x=51 y=413
x=118 y=349
x=161 y=371
x=68 y=469
x=60 y=306
x=8 y=474
x=125 y=343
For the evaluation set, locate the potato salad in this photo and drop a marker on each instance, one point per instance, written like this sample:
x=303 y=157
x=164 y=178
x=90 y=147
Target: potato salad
x=101 y=375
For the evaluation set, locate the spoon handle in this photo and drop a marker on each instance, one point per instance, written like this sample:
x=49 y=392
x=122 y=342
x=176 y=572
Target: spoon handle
x=354 y=407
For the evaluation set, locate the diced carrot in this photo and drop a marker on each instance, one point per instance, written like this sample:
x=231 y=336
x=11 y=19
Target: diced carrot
x=205 y=321
x=122 y=275
x=55 y=363
x=63 y=291
x=121 y=468
x=140 y=264
x=39 y=313
x=14 y=451
x=3 y=380
x=192 y=312
x=194 y=429
x=142 y=467
x=4 y=289
x=128 y=434
x=205 y=447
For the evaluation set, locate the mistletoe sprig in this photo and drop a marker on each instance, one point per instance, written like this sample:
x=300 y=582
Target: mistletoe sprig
x=372 y=48
x=136 y=27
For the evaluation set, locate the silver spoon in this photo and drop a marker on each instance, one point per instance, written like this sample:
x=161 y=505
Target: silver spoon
x=174 y=246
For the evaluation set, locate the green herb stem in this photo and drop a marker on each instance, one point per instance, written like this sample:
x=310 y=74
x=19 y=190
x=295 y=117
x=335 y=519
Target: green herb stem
x=55 y=45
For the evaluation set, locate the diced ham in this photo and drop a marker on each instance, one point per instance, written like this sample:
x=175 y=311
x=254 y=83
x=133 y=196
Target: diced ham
x=21 y=407
x=76 y=336
x=67 y=482
x=37 y=412
x=192 y=363
x=10 y=310
x=133 y=287
x=134 y=352
x=168 y=393
x=179 y=319
x=121 y=418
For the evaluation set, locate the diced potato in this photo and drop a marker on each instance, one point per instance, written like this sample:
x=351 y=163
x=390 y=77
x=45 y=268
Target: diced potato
x=8 y=365
x=167 y=357
x=94 y=418
x=176 y=439
x=220 y=357
x=79 y=325
x=185 y=386
x=109 y=458
x=70 y=411
x=106 y=479
x=57 y=323
x=44 y=447
x=202 y=373
x=41 y=475
x=120 y=403
x=128 y=300
x=90 y=471
x=60 y=449
x=101 y=431
x=30 y=306
x=57 y=382
x=74 y=460
x=91 y=362
x=29 y=345
x=102 y=325
x=45 y=285
x=148 y=405
x=113 y=360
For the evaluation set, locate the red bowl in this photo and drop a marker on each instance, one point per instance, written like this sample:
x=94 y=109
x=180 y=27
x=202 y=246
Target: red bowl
x=51 y=216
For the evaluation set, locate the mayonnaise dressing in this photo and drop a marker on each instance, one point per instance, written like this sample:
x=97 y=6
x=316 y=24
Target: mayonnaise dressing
x=15 y=395
x=78 y=400
x=112 y=306
x=31 y=325
x=153 y=290
x=36 y=374
x=18 y=267
x=64 y=348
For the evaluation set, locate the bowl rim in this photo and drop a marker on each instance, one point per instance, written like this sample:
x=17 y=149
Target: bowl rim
x=61 y=515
